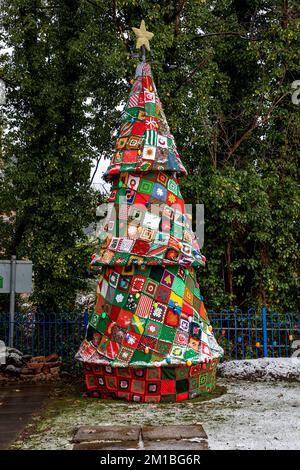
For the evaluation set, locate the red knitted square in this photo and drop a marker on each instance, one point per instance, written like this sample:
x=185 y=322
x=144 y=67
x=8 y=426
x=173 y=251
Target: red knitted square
x=138 y=386
x=153 y=387
x=111 y=383
x=182 y=396
x=138 y=128
x=195 y=370
x=123 y=395
x=90 y=382
x=168 y=387
x=97 y=369
x=123 y=372
x=153 y=373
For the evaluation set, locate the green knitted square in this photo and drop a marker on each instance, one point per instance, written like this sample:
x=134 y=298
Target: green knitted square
x=178 y=287
x=102 y=323
x=167 y=333
x=182 y=372
x=139 y=356
x=194 y=383
x=178 y=231
x=120 y=298
x=190 y=354
x=168 y=373
x=202 y=379
x=172 y=186
x=182 y=386
x=146 y=187
x=150 y=109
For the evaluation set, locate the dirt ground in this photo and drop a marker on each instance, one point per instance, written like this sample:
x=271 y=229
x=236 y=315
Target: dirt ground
x=249 y=415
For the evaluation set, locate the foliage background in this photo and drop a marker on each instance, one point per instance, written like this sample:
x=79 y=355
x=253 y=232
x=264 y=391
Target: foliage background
x=224 y=71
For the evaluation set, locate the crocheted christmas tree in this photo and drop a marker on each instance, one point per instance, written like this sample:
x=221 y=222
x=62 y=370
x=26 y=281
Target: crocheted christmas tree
x=149 y=337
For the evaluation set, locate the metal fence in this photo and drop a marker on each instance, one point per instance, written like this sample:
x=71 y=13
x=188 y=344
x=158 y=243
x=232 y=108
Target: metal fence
x=243 y=335
x=256 y=333
x=43 y=334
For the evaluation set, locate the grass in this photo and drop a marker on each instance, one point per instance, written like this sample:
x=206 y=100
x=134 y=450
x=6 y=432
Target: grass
x=67 y=410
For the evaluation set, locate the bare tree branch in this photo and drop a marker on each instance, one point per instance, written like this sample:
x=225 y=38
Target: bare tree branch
x=254 y=125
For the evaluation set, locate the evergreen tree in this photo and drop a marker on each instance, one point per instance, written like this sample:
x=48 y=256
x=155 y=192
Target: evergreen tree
x=228 y=65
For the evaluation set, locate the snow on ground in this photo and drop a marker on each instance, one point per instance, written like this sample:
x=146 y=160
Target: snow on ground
x=271 y=369
x=254 y=415
x=251 y=415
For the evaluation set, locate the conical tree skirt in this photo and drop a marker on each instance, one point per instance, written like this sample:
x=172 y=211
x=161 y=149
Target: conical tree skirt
x=152 y=384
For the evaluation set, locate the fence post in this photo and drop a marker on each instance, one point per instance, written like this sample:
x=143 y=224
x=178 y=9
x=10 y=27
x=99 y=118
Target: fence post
x=264 y=330
x=85 y=321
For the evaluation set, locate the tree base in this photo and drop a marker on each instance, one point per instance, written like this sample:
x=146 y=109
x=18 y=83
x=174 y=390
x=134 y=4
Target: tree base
x=151 y=385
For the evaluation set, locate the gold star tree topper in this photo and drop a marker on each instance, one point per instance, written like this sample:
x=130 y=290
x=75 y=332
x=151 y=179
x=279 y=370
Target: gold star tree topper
x=143 y=36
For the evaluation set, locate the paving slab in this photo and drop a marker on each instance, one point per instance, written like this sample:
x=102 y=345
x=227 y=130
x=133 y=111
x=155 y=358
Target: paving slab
x=176 y=444
x=107 y=433
x=173 y=432
x=177 y=437
x=97 y=445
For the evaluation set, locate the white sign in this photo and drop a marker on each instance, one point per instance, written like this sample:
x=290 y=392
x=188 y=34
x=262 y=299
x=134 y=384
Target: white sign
x=23 y=276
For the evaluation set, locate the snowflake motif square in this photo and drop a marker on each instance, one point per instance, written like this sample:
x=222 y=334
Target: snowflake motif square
x=158 y=312
x=159 y=192
x=131 y=339
x=153 y=328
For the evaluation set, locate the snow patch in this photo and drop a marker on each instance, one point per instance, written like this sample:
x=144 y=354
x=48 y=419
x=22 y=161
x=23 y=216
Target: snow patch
x=263 y=369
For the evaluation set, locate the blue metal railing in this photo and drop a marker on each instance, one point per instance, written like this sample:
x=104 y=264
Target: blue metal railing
x=256 y=333
x=242 y=335
x=40 y=335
